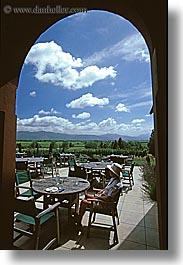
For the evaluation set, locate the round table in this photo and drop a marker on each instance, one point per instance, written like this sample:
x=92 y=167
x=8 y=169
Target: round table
x=95 y=165
x=66 y=187
x=30 y=159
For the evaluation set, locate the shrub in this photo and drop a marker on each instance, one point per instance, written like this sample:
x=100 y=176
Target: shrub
x=149 y=181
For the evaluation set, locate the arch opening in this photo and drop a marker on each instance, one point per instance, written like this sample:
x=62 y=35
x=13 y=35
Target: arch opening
x=91 y=79
x=156 y=29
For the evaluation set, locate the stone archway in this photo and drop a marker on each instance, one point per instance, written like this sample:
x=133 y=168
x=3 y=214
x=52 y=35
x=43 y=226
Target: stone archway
x=16 y=42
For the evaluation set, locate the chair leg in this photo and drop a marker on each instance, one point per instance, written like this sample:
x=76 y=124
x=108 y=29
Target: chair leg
x=89 y=223
x=132 y=179
x=58 y=226
x=37 y=235
x=115 y=230
x=94 y=216
x=117 y=216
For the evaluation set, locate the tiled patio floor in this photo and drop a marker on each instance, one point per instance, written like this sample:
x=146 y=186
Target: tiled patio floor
x=138 y=228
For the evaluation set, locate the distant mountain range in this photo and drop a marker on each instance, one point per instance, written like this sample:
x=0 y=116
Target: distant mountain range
x=21 y=135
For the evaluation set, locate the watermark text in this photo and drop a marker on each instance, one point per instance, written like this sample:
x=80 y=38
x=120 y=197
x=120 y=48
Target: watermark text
x=46 y=10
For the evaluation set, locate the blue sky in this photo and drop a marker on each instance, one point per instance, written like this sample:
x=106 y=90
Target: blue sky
x=87 y=74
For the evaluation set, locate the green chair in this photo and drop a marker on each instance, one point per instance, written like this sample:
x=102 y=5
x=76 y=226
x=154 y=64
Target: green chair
x=24 y=184
x=71 y=162
x=127 y=176
x=29 y=220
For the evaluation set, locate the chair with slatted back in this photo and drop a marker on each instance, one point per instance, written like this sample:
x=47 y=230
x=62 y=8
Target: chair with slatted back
x=23 y=185
x=29 y=220
x=127 y=176
x=72 y=162
x=48 y=166
x=99 y=206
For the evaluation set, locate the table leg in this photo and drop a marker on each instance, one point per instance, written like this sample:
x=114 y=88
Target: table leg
x=77 y=203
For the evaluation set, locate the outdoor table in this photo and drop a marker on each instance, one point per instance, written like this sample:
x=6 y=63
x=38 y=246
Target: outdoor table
x=118 y=158
x=100 y=166
x=94 y=170
x=30 y=160
x=58 y=187
x=20 y=154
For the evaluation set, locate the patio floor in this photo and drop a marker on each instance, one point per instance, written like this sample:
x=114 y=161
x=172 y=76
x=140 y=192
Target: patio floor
x=138 y=228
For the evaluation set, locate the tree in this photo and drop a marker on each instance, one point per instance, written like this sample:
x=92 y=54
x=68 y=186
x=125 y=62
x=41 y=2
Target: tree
x=121 y=143
x=115 y=146
x=33 y=144
x=151 y=145
x=65 y=144
x=52 y=145
x=19 y=145
x=37 y=147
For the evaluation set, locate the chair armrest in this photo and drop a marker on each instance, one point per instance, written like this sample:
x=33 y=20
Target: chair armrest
x=95 y=189
x=100 y=201
x=23 y=187
x=31 y=198
x=93 y=199
x=48 y=210
x=125 y=171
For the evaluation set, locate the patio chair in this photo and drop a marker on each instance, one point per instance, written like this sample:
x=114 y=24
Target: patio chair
x=128 y=161
x=77 y=172
x=102 y=207
x=71 y=162
x=48 y=166
x=127 y=176
x=33 y=219
x=23 y=185
x=66 y=201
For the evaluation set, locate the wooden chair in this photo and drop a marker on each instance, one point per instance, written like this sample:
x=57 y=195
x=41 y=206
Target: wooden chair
x=21 y=165
x=77 y=172
x=66 y=201
x=27 y=213
x=109 y=208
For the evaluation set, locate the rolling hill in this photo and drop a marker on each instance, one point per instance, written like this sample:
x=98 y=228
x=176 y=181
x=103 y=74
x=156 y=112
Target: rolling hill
x=21 y=135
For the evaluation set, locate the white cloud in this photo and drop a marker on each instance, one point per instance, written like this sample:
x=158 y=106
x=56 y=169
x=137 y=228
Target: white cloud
x=121 y=108
x=107 y=125
x=83 y=115
x=62 y=125
x=87 y=100
x=138 y=121
x=47 y=123
x=131 y=48
x=60 y=68
x=141 y=104
x=32 y=93
x=51 y=111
